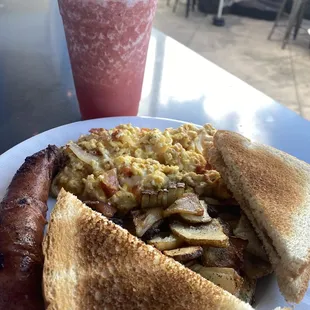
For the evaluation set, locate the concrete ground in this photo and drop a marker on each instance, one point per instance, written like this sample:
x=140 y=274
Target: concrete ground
x=242 y=48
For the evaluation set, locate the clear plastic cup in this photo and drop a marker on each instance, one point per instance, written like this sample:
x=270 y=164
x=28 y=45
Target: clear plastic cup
x=107 y=42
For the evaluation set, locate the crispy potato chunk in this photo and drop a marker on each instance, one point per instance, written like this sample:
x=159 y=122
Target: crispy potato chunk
x=185 y=254
x=188 y=204
x=163 y=243
x=198 y=219
x=232 y=256
x=206 y=234
x=226 y=278
x=145 y=219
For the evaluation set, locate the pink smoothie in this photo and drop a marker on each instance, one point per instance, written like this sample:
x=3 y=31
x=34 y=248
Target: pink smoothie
x=107 y=42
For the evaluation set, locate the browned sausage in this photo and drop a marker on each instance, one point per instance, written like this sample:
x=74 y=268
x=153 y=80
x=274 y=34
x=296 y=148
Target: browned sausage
x=22 y=221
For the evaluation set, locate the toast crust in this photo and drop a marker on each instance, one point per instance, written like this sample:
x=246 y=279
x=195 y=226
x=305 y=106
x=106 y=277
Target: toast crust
x=273 y=190
x=275 y=178
x=91 y=263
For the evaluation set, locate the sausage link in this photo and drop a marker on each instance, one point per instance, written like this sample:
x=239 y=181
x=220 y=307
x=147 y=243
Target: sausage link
x=22 y=222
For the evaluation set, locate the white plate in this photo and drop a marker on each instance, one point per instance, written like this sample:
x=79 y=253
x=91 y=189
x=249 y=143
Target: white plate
x=267 y=297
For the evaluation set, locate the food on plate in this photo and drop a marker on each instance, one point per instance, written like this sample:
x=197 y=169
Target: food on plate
x=161 y=188
x=163 y=243
x=22 y=222
x=146 y=219
x=187 y=204
x=198 y=219
x=130 y=166
x=163 y=197
x=105 y=208
x=185 y=254
x=211 y=234
x=96 y=264
x=226 y=278
x=272 y=188
x=231 y=256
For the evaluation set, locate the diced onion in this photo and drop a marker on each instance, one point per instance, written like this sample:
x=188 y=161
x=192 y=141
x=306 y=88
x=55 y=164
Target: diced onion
x=81 y=154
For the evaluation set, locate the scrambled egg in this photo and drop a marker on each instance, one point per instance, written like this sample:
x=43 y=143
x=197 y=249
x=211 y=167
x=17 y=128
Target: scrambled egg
x=143 y=159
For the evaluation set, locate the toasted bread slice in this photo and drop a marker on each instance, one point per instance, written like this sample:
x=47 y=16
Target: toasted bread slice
x=273 y=189
x=91 y=263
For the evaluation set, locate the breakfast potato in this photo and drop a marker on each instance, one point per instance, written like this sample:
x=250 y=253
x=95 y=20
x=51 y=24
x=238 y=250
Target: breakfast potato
x=188 y=204
x=198 y=219
x=205 y=234
x=163 y=243
x=145 y=219
x=185 y=254
x=226 y=278
x=232 y=256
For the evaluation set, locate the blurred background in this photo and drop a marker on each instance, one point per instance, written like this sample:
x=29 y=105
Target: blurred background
x=278 y=66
